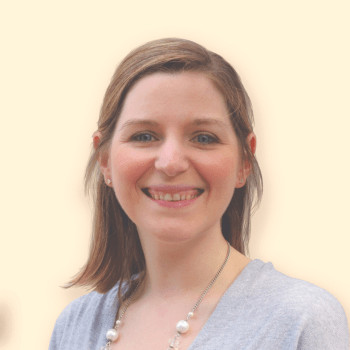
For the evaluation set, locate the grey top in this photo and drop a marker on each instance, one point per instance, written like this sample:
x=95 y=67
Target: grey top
x=262 y=309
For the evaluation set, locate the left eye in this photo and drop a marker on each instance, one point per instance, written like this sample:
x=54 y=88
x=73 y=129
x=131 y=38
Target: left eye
x=205 y=139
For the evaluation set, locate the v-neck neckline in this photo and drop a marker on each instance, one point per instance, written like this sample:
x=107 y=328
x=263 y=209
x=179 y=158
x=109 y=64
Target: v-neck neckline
x=233 y=292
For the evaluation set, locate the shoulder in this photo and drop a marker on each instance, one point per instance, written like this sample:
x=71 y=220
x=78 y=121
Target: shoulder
x=86 y=305
x=288 y=291
x=92 y=311
x=267 y=280
x=316 y=315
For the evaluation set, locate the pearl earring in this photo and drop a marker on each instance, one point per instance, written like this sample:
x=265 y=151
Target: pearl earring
x=109 y=181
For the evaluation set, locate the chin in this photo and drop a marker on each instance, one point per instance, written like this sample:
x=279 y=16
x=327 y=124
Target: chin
x=173 y=234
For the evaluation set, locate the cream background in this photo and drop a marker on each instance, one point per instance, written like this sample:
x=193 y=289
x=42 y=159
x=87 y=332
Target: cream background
x=56 y=61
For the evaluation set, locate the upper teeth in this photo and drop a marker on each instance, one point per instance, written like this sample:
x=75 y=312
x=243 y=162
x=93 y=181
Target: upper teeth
x=175 y=196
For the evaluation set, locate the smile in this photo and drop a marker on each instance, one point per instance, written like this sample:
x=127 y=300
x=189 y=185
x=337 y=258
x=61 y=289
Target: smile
x=173 y=195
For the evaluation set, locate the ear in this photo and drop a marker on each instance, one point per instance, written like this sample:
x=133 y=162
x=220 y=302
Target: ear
x=102 y=157
x=246 y=165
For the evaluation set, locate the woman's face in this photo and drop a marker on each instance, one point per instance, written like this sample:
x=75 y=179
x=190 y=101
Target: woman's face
x=174 y=158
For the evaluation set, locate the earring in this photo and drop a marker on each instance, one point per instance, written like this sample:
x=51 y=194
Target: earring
x=109 y=181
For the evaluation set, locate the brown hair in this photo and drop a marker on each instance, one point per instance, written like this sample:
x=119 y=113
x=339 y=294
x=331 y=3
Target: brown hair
x=116 y=253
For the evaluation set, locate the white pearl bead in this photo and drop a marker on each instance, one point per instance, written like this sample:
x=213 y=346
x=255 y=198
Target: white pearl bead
x=190 y=314
x=112 y=334
x=182 y=326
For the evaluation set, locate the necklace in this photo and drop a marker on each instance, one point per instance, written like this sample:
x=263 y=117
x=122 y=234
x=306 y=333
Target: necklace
x=181 y=326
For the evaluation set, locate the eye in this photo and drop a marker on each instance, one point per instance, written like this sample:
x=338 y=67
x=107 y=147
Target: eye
x=143 y=137
x=205 y=139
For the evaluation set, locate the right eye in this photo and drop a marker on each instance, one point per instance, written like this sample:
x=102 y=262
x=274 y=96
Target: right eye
x=143 y=137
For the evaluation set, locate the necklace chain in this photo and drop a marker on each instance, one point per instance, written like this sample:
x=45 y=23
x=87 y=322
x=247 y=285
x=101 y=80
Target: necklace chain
x=181 y=327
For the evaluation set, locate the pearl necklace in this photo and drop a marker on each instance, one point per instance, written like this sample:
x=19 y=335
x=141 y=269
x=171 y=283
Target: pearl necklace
x=181 y=327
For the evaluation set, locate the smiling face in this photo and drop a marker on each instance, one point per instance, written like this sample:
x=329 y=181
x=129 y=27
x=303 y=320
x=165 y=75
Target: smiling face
x=174 y=159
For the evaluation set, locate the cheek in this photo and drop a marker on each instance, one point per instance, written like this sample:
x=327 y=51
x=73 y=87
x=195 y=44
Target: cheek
x=126 y=170
x=221 y=172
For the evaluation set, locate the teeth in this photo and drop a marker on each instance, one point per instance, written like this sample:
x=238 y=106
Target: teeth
x=168 y=197
x=174 y=197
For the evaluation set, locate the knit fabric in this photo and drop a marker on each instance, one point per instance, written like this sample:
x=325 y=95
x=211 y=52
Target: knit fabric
x=263 y=309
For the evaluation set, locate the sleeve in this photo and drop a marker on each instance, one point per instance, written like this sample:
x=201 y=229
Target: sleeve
x=65 y=326
x=57 y=332
x=325 y=325
x=84 y=321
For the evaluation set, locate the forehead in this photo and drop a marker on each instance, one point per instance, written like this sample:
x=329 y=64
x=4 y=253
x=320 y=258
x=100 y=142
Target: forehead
x=174 y=96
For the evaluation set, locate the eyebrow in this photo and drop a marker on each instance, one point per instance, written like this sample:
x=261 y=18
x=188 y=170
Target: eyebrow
x=210 y=121
x=133 y=122
x=197 y=121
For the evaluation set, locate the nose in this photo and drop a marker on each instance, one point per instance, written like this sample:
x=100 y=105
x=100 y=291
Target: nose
x=171 y=158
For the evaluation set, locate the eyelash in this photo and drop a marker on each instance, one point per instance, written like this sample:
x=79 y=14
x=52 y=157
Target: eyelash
x=210 y=139
x=138 y=137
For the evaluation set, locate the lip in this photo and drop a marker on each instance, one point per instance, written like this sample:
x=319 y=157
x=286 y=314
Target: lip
x=178 y=204
x=172 y=189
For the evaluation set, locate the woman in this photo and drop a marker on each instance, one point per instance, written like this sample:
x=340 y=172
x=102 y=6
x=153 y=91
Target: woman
x=175 y=179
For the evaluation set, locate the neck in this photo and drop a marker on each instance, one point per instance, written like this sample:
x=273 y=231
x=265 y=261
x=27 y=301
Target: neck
x=188 y=267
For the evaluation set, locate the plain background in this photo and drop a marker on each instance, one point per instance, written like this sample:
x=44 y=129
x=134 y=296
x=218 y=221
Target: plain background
x=57 y=58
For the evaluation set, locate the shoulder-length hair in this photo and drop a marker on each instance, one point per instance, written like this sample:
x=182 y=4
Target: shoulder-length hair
x=116 y=253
